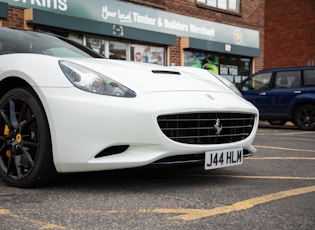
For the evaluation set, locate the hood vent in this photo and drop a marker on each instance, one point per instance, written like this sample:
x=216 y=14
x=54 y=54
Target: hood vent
x=165 y=72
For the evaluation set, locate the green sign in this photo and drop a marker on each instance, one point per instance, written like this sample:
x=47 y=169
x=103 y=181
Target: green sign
x=136 y=16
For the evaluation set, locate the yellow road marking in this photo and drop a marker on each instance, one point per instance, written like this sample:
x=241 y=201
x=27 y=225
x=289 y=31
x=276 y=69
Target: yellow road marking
x=286 y=149
x=42 y=225
x=4 y=212
x=195 y=214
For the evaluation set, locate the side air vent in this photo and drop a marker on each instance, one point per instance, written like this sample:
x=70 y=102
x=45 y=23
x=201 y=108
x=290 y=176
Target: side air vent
x=165 y=72
x=112 y=150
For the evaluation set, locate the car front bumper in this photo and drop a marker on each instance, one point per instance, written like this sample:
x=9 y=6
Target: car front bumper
x=83 y=124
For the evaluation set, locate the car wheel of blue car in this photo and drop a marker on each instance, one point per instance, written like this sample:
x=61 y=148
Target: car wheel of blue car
x=25 y=144
x=305 y=117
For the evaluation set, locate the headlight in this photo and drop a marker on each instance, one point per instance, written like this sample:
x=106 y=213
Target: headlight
x=94 y=82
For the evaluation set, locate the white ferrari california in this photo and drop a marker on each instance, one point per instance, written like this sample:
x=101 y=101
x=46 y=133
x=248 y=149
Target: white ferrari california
x=64 y=108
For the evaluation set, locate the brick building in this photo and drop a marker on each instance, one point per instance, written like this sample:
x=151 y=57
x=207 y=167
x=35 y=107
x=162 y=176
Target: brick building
x=226 y=37
x=289 y=33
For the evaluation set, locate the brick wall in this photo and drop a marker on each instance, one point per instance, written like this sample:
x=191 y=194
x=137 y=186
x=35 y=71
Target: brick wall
x=174 y=52
x=15 y=18
x=289 y=33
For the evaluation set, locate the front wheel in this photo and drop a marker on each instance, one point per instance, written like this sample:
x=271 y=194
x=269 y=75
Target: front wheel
x=305 y=117
x=25 y=143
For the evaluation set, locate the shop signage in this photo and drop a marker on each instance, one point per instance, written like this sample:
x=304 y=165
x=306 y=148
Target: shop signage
x=231 y=73
x=60 y=5
x=127 y=14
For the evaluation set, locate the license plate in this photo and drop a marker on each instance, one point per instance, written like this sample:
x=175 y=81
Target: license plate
x=223 y=158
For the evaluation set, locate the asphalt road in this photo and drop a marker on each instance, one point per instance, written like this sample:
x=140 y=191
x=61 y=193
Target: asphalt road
x=274 y=189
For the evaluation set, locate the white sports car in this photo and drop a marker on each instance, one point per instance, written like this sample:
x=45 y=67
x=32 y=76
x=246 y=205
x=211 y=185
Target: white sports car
x=63 y=108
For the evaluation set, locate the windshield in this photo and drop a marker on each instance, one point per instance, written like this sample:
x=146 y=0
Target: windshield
x=20 y=41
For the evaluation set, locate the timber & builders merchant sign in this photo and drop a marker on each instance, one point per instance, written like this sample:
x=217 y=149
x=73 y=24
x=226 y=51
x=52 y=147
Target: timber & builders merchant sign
x=126 y=14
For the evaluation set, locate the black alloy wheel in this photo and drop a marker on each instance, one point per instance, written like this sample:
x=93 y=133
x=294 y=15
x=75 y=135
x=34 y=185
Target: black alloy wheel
x=25 y=143
x=305 y=117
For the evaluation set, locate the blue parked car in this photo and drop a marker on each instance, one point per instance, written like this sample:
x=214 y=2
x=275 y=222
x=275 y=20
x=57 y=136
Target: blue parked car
x=283 y=94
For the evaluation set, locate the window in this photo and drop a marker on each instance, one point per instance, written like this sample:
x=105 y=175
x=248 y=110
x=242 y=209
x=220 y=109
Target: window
x=258 y=82
x=147 y=54
x=117 y=50
x=233 y=68
x=288 y=79
x=96 y=44
x=124 y=50
x=309 y=78
x=228 y=5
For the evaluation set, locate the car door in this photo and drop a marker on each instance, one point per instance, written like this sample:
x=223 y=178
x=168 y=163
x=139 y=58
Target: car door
x=286 y=86
x=255 y=89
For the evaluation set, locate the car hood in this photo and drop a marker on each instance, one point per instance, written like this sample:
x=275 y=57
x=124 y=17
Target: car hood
x=141 y=77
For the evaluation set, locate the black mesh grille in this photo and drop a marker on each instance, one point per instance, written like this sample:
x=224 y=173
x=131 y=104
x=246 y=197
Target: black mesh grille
x=207 y=128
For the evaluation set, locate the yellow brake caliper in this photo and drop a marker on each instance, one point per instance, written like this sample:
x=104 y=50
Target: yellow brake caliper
x=6 y=133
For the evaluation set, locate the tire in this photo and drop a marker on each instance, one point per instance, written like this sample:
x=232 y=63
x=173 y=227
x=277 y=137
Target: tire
x=277 y=122
x=25 y=145
x=305 y=117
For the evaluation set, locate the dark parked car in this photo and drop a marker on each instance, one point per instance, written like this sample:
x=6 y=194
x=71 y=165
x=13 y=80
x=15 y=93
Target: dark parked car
x=283 y=94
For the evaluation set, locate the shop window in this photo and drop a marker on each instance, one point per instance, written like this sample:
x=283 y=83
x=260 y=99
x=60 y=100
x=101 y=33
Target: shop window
x=147 y=54
x=76 y=37
x=226 y=5
x=108 y=48
x=96 y=44
x=117 y=50
x=233 y=68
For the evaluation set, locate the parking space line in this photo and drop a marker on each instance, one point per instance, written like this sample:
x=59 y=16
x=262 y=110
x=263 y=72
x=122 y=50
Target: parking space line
x=195 y=214
x=299 y=138
x=296 y=133
x=252 y=177
x=281 y=158
x=285 y=133
x=286 y=149
x=42 y=224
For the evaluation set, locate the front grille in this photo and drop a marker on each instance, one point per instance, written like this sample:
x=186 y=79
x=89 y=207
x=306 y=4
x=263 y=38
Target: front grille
x=207 y=128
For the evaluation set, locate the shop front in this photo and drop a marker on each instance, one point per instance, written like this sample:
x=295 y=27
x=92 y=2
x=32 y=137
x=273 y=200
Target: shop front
x=228 y=60
x=127 y=31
